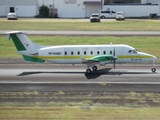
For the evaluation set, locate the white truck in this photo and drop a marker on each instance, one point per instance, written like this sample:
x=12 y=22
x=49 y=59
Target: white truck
x=107 y=14
x=132 y=11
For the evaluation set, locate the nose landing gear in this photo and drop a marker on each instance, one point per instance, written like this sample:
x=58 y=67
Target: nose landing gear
x=153 y=68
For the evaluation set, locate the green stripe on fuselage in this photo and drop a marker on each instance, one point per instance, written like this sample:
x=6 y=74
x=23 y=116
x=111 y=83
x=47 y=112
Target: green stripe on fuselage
x=17 y=42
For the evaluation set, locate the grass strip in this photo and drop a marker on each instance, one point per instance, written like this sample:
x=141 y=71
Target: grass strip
x=74 y=24
x=68 y=113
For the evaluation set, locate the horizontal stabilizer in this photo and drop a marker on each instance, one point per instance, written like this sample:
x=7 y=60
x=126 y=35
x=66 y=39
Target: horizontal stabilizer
x=14 y=32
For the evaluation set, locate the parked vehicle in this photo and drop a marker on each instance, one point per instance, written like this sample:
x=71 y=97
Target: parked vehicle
x=137 y=11
x=107 y=14
x=95 y=17
x=120 y=16
x=12 y=16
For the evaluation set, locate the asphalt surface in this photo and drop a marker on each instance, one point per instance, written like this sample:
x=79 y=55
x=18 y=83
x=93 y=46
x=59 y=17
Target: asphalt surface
x=90 y=33
x=50 y=78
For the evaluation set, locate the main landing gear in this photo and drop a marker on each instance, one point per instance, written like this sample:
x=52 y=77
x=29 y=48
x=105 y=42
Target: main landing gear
x=88 y=71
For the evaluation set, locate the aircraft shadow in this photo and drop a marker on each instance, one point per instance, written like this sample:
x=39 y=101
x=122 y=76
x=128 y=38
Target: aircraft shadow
x=98 y=73
x=32 y=73
x=110 y=71
x=93 y=75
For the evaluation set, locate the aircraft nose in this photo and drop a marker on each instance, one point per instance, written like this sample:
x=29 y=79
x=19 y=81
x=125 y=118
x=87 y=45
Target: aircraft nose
x=154 y=58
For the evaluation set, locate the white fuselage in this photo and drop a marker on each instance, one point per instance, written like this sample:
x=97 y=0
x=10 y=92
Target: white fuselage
x=73 y=54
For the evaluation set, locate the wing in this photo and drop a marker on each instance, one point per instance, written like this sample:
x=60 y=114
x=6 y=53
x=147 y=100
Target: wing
x=99 y=59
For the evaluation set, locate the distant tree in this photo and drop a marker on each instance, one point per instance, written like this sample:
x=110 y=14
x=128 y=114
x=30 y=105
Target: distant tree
x=44 y=11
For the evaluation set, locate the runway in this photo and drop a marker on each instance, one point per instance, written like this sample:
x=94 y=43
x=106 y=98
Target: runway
x=89 y=33
x=50 y=77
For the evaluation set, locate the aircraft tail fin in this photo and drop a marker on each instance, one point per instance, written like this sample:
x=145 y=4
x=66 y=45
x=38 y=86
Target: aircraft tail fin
x=24 y=45
x=22 y=42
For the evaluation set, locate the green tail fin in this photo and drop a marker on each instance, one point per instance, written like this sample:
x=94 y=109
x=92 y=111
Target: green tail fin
x=17 y=43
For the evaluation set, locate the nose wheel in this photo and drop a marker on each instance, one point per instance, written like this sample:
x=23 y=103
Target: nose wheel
x=153 y=67
x=153 y=70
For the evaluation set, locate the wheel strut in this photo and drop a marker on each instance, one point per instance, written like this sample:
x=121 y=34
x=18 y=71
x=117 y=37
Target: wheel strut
x=153 y=68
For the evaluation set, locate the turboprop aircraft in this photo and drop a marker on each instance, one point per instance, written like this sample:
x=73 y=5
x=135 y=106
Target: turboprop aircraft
x=90 y=55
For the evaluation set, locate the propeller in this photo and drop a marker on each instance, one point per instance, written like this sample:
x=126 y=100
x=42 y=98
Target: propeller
x=114 y=59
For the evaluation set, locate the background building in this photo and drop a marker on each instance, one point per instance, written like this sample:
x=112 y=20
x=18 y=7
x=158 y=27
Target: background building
x=24 y=8
x=73 y=8
x=130 y=1
x=62 y=8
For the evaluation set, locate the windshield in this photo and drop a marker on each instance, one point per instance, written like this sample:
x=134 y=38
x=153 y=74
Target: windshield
x=95 y=15
x=133 y=51
x=119 y=13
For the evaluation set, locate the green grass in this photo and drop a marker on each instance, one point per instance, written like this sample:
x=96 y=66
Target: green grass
x=146 y=44
x=76 y=24
x=128 y=106
x=74 y=113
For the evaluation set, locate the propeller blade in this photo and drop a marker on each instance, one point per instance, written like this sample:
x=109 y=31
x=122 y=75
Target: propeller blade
x=114 y=60
x=114 y=64
x=114 y=51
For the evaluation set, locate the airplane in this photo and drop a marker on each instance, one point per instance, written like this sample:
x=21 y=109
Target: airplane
x=90 y=55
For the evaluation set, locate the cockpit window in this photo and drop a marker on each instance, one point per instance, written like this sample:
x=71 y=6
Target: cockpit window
x=132 y=51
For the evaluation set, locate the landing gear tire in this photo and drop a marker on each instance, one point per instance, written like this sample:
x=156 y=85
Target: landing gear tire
x=153 y=70
x=94 y=68
x=88 y=71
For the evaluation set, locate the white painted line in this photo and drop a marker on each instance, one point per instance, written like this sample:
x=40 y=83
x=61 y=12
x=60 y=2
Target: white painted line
x=103 y=83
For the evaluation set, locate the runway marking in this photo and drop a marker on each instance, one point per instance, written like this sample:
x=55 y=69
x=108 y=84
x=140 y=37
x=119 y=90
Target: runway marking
x=93 y=82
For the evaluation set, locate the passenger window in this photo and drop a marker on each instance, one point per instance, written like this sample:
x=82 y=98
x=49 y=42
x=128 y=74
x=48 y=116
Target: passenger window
x=98 y=52
x=110 y=52
x=78 y=52
x=104 y=52
x=65 y=53
x=91 y=52
x=84 y=52
x=103 y=11
x=72 y=53
x=107 y=11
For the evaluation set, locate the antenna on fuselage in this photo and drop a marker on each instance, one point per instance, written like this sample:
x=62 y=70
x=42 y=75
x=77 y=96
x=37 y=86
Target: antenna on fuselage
x=110 y=43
